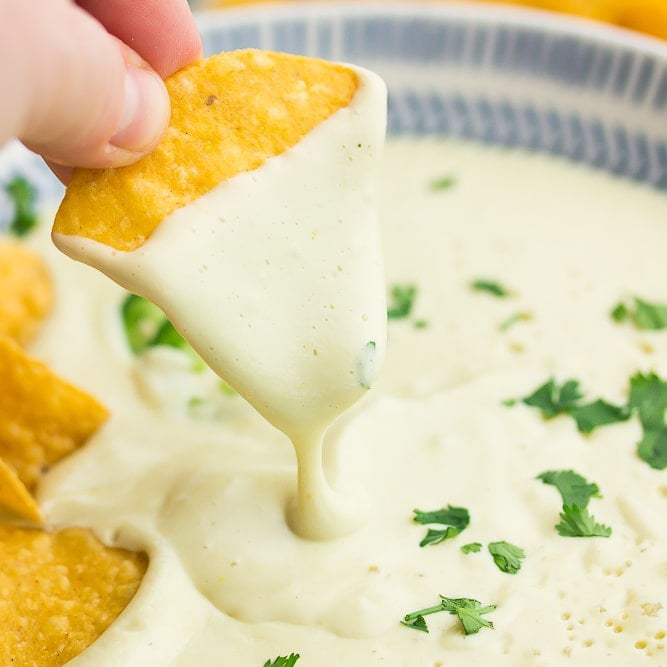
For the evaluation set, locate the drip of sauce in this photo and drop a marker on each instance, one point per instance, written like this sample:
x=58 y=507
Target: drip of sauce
x=276 y=278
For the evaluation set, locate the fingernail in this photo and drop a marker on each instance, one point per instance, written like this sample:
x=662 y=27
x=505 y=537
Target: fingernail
x=145 y=111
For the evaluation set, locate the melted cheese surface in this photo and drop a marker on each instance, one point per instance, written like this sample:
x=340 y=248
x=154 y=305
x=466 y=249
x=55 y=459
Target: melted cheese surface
x=205 y=494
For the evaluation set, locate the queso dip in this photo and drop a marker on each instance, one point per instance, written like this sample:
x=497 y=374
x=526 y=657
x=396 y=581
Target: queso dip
x=511 y=264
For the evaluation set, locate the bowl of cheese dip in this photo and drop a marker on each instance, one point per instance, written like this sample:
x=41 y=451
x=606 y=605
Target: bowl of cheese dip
x=507 y=469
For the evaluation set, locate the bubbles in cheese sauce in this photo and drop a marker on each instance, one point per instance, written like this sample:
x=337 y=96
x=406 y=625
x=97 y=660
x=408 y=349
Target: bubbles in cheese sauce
x=276 y=279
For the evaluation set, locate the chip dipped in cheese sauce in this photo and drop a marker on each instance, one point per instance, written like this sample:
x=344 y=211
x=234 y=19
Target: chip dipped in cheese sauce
x=275 y=277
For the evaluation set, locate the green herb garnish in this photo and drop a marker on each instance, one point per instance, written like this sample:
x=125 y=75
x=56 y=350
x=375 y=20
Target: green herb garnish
x=648 y=396
x=575 y=492
x=643 y=314
x=367 y=365
x=506 y=556
x=577 y=522
x=490 y=287
x=443 y=183
x=401 y=300
x=23 y=196
x=514 y=319
x=142 y=321
x=283 y=661
x=471 y=548
x=573 y=488
x=470 y=613
x=553 y=399
x=598 y=413
x=452 y=519
x=147 y=326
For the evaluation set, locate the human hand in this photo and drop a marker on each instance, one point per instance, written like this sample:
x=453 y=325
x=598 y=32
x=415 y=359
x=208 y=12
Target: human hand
x=81 y=82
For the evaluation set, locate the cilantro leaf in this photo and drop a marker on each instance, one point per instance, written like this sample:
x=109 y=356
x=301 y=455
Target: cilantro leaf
x=506 y=556
x=573 y=488
x=520 y=316
x=470 y=613
x=453 y=519
x=648 y=396
x=443 y=183
x=367 y=364
x=652 y=448
x=142 y=321
x=23 y=196
x=577 y=522
x=575 y=492
x=644 y=315
x=471 y=548
x=490 y=287
x=401 y=301
x=147 y=326
x=283 y=661
x=416 y=620
x=598 y=413
x=552 y=399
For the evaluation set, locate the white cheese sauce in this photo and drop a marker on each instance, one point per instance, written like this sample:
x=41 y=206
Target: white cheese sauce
x=276 y=278
x=231 y=584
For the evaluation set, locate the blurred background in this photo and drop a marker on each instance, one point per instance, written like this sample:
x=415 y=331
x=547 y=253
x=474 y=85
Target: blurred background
x=646 y=16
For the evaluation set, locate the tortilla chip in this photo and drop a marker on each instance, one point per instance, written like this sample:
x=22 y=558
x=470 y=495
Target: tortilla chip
x=26 y=292
x=230 y=113
x=60 y=591
x=42 y=417
x=15 y=497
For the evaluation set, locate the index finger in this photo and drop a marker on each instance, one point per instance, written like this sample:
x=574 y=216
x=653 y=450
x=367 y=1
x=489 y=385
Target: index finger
x=162 y=32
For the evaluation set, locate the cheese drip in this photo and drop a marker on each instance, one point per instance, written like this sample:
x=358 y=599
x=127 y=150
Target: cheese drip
x=276 y=279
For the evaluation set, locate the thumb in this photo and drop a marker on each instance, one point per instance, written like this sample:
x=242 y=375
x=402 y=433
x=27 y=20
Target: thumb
x=81 y=97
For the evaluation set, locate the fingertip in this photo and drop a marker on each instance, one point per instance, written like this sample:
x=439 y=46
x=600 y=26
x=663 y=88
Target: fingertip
x=145 y=113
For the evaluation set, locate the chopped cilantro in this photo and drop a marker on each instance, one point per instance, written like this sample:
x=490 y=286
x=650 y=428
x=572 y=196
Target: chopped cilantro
x=643 y=314
x=471 y=548
x=577 y=522
x=283 y=661
x=23 y=196
x=452 y=519
x=470 y=613
x=513 y=319
x=367 y=365
x=575 y=492
x=573 y=488
x=420 y=324
x=168 y=336
x=552 y=399
x=648 y=396
x=401 y=301
x=506 y=556
x=443 y=183
x=142 y=320
x=598 y=413
x=490 y=287
x=620 y=312
x=147 y=326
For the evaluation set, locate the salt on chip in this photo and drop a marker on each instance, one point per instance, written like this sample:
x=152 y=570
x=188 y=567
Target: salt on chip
x=230 y=113
x=26 y=292
x=60 y=591
x=42 y=417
